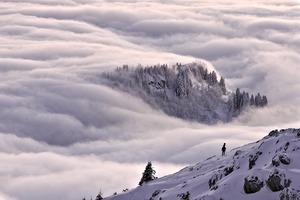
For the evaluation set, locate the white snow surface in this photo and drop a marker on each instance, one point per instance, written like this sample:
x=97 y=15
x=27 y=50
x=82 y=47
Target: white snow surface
x=195 y=179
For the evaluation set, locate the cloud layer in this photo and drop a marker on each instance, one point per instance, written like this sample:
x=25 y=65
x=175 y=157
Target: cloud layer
x=67 y=136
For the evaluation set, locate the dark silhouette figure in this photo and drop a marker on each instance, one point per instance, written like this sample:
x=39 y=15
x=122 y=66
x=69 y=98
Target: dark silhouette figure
x=223 y=149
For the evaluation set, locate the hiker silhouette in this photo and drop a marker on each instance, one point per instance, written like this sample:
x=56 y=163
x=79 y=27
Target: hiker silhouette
x=223 y=149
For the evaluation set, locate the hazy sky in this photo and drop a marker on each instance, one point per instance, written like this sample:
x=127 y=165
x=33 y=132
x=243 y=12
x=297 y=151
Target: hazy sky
x=64 y=136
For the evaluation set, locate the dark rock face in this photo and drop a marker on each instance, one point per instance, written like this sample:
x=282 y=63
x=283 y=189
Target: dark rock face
x=213 y=181
x=297 y=132
x=228 y=170
x=284 y=159
x=275 y=162
x=289 y=194
x=253 y=158
x=281 y=159
x=252 y=185
x=155 y=193
x=274 y=133
x=274 y=182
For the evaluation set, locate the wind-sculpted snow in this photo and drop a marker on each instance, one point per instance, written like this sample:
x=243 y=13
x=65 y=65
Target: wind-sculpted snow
x=231 y=177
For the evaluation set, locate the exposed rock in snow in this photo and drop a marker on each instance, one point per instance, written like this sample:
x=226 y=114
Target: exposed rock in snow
x=274 y=181
x=252 y=185
x=230 y=177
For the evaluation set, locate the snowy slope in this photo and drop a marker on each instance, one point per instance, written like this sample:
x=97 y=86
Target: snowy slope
x=266 y=169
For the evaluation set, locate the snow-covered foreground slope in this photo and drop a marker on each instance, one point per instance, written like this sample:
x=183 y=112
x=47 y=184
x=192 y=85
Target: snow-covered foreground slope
x=266 y=169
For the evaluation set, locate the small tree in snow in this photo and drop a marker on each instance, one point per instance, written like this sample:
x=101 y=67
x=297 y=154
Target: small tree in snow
x=99 y=196
x=148 y=174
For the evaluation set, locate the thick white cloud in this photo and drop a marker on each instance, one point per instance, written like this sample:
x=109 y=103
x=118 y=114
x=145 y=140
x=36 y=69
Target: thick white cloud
x=67 y=136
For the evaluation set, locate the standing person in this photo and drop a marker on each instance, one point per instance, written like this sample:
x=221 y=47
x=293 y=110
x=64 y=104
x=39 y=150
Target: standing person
x=223 y=149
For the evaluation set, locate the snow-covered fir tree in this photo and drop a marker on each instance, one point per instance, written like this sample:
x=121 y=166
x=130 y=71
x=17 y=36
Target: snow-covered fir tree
x=148 y=175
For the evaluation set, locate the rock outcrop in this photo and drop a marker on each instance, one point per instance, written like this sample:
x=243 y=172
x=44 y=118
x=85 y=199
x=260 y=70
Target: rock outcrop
x=252 y=185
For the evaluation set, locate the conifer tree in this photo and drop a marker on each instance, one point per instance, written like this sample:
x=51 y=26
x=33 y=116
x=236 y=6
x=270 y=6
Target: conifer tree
x=205 y=75
x=258 y=100
x=148 y=174
x=99 y=196
x=252 y=101
x=264 y=100
x=222 y=85
x=214 y=79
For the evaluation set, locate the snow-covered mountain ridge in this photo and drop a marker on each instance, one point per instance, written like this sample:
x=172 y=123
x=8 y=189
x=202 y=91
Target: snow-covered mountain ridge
x=266 y=169
x=189 y=91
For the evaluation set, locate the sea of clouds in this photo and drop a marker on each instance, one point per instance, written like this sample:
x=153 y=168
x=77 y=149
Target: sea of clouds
x=65 y=136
